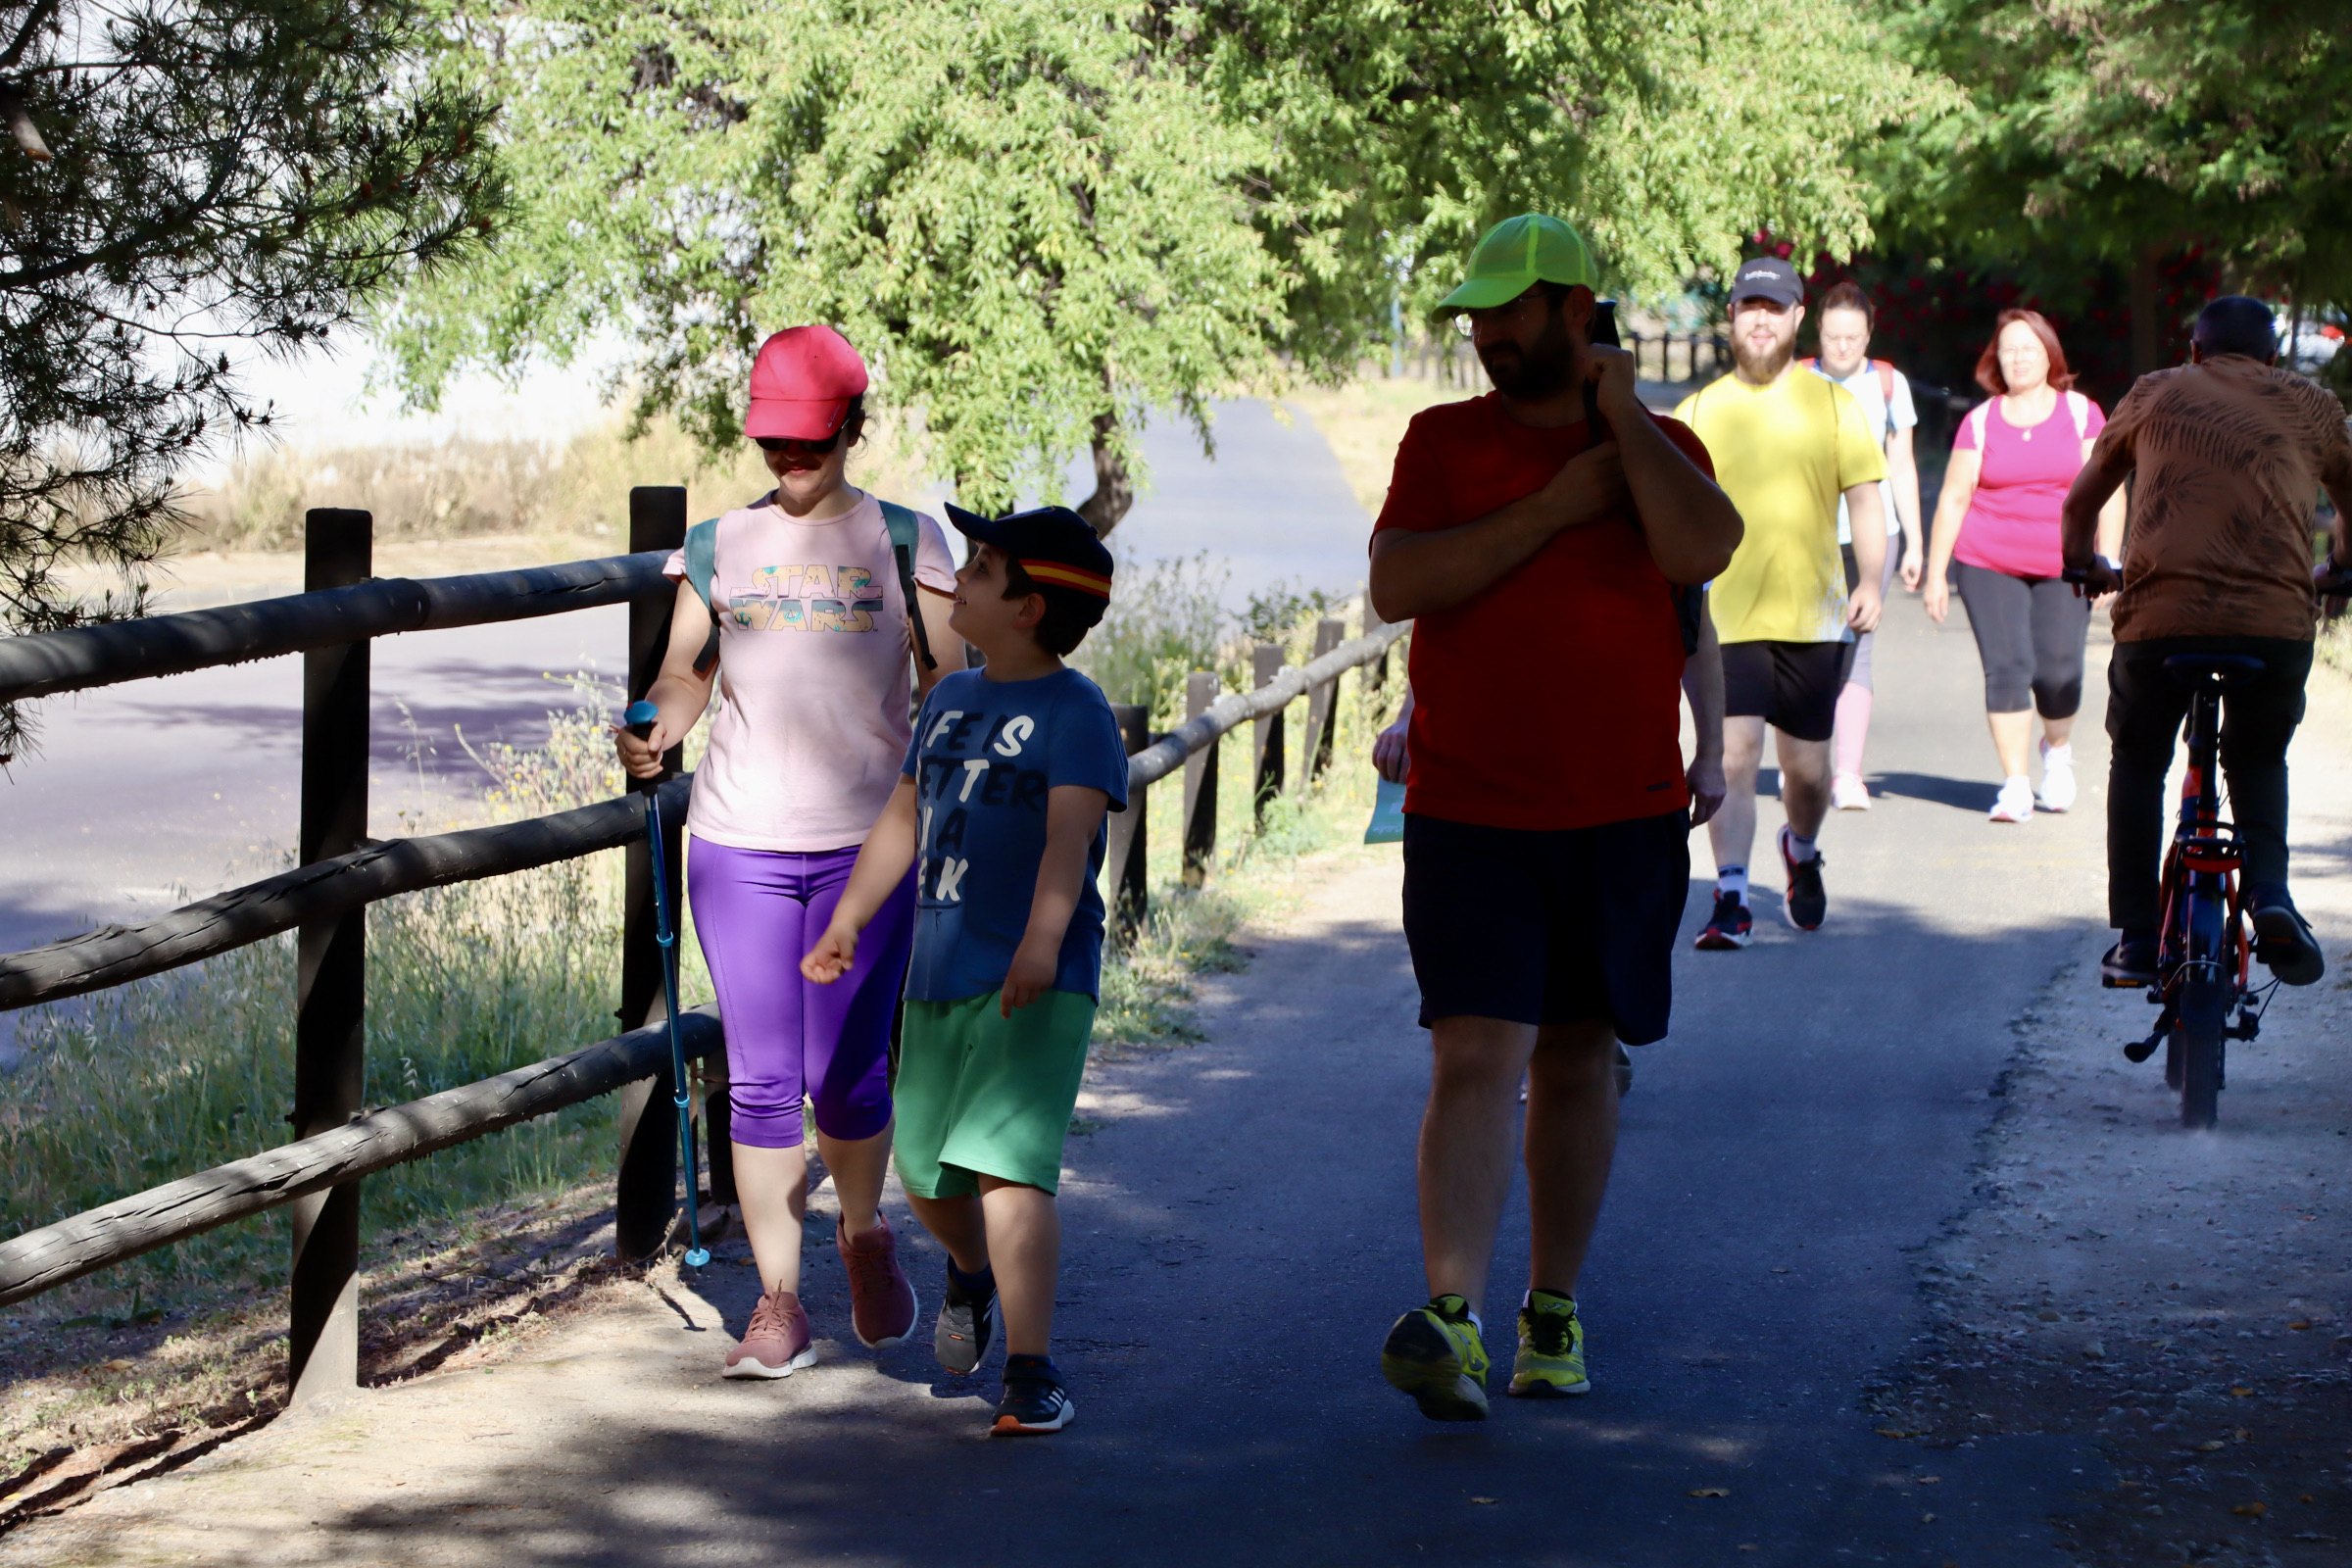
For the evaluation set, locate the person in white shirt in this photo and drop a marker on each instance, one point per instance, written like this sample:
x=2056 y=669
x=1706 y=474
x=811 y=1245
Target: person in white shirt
x=1884 y=393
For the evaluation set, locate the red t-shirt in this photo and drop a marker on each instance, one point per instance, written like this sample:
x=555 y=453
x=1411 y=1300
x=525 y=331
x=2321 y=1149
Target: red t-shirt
x=1552 y=699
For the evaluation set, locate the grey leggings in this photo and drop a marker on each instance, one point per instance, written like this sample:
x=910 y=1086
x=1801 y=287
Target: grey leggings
x=2030 y=634
x=1859 y=674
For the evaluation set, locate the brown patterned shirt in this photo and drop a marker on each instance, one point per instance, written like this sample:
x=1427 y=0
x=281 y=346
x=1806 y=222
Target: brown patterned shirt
x=2228 y=458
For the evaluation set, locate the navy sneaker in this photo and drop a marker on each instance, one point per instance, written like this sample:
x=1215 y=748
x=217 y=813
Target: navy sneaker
x=2131 y=964
x=1034 y=1399
x=2282 y=941
x=967 y=1320
x=1806 y=903
x=1729 y=928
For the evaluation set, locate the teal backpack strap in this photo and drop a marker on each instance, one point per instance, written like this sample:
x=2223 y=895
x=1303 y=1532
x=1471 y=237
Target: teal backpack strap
x=702 y=557
x=904 y=531
x=702 y=568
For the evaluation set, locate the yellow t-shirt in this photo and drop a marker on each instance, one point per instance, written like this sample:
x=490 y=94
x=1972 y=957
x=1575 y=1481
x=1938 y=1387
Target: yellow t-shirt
x=1784 y=453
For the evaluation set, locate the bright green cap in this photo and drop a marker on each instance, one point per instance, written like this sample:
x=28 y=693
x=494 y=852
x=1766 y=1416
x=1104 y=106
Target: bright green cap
x=1518 y=253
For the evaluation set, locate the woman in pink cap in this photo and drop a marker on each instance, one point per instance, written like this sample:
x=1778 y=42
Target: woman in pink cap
x=798 y=605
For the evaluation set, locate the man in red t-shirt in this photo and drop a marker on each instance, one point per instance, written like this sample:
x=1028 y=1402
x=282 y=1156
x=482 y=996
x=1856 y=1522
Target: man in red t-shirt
x=1546 y=841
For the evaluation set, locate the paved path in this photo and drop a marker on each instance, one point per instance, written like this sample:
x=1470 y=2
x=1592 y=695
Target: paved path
x=1241 y=1232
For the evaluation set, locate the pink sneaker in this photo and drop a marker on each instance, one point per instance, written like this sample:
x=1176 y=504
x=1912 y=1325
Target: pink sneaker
x=777 y=1345
x=882 y=1303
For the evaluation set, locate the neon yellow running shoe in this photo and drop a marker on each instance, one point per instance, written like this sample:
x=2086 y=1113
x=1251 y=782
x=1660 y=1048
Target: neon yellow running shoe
x=1435 y=1354
x=1551 y=1348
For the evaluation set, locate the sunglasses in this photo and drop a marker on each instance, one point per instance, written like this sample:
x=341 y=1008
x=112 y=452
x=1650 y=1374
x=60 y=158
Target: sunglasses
x=797 y=448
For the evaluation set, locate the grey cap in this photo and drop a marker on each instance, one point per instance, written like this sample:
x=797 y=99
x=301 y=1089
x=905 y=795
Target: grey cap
x=1768 y=277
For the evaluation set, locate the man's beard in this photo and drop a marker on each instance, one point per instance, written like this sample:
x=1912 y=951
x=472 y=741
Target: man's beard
x=1540 y=371
x=1764 y=366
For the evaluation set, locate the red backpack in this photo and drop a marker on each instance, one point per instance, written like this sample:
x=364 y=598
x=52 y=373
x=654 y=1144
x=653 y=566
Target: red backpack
x=1885 y=370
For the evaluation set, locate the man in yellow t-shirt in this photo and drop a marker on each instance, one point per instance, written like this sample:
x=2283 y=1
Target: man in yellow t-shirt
x=1786 y=444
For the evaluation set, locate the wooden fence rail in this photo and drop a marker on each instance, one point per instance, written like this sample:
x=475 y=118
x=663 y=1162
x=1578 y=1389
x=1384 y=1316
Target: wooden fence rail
x=45 y=1258
x=1193 y=747
x=51 y=661
x=117 y=954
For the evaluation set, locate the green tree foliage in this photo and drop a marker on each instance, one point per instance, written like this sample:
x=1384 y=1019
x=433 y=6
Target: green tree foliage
x=2121 y=130
x=1040 y=218
x=183 y=175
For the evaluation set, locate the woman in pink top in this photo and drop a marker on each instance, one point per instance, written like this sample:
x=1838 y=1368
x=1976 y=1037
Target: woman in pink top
x=1996 y=532
x=801 y=618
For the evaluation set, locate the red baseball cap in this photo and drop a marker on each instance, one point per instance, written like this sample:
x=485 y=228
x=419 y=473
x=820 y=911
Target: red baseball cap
x=803 y=383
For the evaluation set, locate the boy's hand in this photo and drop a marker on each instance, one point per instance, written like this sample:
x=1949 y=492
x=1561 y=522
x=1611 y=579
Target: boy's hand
x=832 y=955
x=1034 y=966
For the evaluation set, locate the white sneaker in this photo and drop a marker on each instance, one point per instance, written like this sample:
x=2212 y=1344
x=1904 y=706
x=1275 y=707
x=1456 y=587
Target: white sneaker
x=1847 y=792
x=2016 y=802
x=2057 y=777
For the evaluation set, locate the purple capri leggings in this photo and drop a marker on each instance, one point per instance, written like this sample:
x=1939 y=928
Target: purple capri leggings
x=756 y=911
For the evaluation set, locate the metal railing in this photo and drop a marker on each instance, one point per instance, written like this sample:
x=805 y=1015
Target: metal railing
x=337 y=1142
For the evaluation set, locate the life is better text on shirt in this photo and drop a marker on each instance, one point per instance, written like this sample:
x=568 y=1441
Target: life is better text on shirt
x=985 y=758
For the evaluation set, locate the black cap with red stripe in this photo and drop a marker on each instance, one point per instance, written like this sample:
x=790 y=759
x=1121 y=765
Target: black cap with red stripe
x=1056 y=546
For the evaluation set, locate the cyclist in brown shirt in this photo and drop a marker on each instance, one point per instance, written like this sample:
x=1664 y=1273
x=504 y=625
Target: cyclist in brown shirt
x=2230 y=452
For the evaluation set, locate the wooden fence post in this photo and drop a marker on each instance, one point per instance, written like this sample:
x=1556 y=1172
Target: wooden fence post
x=1376 y=672
x=1199 y=784
x=1127 y=852
x=1322 y=711
x=646 y=1190
x=1265 y=662
x=331 y=988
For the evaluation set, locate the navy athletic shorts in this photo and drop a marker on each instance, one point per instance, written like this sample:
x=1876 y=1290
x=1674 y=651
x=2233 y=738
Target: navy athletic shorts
x=1792 y=686
x=1547 y=927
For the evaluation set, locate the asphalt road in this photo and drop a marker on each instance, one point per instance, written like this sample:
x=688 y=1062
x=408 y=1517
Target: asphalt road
x=1240 y=1234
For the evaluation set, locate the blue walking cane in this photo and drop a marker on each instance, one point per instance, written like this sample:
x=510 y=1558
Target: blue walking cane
x=640 y=720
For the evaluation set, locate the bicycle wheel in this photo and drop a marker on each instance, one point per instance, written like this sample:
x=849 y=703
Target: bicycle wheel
x=2204 y=1010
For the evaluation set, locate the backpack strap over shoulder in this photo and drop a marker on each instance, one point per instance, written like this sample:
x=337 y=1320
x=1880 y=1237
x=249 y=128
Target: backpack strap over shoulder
x=1885 y=370
x=1975 y=423
x=2080 y=407
x=702 y=557
x=905 y=533
x=702 y=571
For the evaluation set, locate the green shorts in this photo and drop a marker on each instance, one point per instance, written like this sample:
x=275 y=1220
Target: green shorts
x=978 y=1094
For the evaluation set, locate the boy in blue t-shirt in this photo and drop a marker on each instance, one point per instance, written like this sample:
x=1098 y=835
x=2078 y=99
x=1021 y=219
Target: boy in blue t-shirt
x=1000 y=809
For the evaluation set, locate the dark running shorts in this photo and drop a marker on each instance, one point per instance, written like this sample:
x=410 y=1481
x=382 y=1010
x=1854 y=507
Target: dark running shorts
x=1547 y=927
x=1792 y=686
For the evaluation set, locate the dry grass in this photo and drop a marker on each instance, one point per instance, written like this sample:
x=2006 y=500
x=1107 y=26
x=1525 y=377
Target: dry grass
x=462 y=488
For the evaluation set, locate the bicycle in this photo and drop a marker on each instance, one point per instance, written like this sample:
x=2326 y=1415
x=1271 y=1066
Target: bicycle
x=2204 y=956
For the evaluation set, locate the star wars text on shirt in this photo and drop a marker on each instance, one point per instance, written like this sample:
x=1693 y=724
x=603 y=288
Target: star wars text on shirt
x=810 y=598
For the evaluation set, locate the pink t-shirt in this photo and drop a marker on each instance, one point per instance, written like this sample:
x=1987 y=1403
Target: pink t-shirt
x=2022 y=480
x=815 y=679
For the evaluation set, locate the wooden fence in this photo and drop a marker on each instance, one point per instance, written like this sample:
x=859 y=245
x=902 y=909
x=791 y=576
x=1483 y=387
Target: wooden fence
x=1673 y=358
x=337 y=1141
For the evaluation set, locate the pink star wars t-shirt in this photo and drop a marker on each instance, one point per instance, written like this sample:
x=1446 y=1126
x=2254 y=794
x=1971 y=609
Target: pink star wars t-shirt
x=2022 y=480
x=815 y=676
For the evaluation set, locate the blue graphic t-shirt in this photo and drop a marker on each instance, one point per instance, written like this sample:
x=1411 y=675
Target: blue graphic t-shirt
x=984 y=755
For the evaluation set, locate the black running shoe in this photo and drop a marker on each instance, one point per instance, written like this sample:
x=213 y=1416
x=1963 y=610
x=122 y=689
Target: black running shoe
x=2283 y=942
x=1729 y=928
x=1807 y=903
x=967 y=1321
x=2131 y=964
x=1034 y=1399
